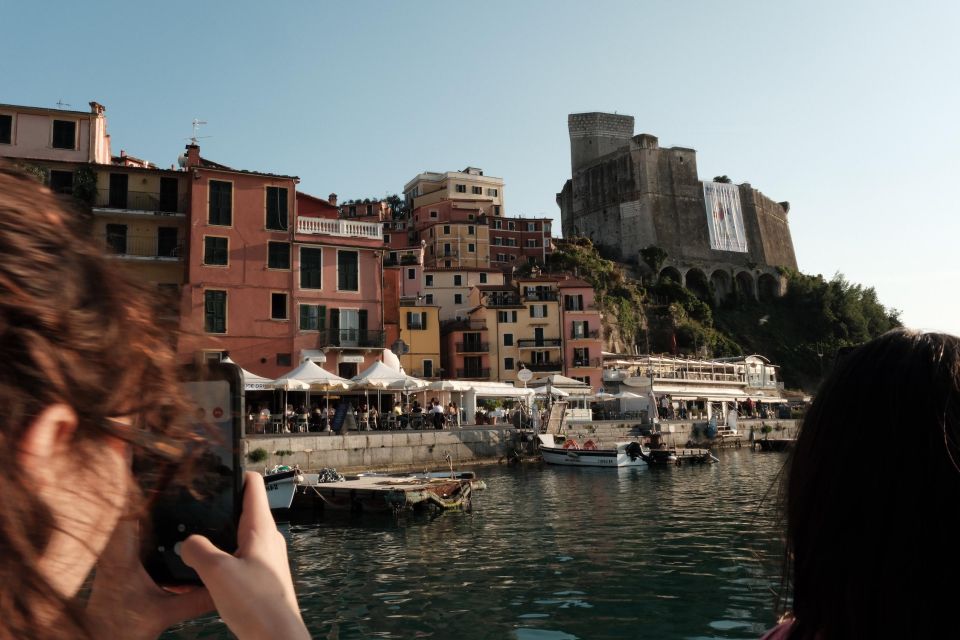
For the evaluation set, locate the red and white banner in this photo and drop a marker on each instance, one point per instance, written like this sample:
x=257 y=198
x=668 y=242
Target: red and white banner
x=724 y=217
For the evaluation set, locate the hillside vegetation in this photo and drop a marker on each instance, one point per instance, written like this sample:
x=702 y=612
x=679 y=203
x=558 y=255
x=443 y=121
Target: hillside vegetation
x=800 y=331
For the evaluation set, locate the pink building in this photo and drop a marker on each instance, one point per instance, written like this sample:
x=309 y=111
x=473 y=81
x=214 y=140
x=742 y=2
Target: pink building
x=582 y=336
x=37 y=133
x=465 y=348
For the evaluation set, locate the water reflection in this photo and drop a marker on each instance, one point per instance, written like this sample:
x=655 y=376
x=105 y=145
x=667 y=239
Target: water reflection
x=554 y=553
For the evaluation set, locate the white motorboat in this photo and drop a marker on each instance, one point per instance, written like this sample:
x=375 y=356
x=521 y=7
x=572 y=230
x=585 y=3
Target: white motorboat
x=281 y=483
x=570 y=452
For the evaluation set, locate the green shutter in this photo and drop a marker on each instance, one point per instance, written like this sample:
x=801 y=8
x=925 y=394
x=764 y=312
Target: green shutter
x=321 y=318
x=409 y=319
x=305 y=317
x=423 y=319
x=334 y=319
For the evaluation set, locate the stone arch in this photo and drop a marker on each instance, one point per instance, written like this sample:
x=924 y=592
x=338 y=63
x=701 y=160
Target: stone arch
x=698 y=283
x=768 y=287
x=745 y=285
x=722 y=285
x=673 y=273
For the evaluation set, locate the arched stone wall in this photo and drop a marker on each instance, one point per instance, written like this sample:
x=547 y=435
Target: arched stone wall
x=698 y=283
x=745 y=285
x=722 y=285
x=768 y=287
x=673 y=273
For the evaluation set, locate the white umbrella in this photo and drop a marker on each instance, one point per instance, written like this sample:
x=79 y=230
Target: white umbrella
x=251 y=381
x=546 y=390
x=316 y=378
x=627 y=395
x=603 y=396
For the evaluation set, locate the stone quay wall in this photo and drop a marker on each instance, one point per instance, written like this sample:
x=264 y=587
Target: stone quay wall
x=416 y=450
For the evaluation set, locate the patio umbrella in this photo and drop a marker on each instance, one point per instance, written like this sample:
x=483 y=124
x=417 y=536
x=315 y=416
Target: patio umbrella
x=603 y=396
x=547 y=390
x=627 y=395
x=251 y=381
x=317 y=378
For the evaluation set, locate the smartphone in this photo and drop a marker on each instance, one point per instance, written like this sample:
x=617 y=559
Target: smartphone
x=211 y=505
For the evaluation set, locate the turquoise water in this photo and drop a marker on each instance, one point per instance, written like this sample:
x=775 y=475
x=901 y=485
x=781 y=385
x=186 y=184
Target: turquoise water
x=552 y=553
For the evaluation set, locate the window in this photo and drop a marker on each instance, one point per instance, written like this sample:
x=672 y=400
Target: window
x=471 y=248
x=416 y=320
x=64 y=134
x=117 y=238
x=508 y=364
x=538 y=311
x=496 y=209
x=498 y=224
x=348 y=271
x=411 y=274
x=6 y=129
x=540 y=357
x=284 y=360
x=428 y=280
x=215 y=311
x=581 y=329
x=477 y=191
x=508 y=339
x=483 y=278
x=573 y=303
x=531 y=242
x=311 y=269
x=277 y=208
x=492 y=192
x=278 y=255
x=369 y=209
x=511 y=226
x=428 y=368
x=168 y=242
x=433 y=214
x=446 y=229
x=216 y=251
x=386 y=238
x=461 y=188
x=61 y=181
x=447 y=263
x=220 y=210
x=313 y=317
x=507 y=316
x=278 y=306
x=501 y=257
x=581 y=357
x=531 y=226
x=458 y=298
x=458 y=280
x=470 y=229
x=447 y=249
x=429 y=298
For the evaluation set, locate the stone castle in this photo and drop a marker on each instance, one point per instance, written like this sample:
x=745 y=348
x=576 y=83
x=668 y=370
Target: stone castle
x=627 y=193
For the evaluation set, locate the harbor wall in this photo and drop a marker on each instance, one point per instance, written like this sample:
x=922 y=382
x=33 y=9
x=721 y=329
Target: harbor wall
x=416 y=450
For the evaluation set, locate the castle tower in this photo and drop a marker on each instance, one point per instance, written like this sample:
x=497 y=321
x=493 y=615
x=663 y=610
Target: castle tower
x=596 y=134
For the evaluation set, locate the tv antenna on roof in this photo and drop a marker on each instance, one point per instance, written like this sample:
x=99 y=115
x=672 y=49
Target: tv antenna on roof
x=62 y=104
x=196 y=129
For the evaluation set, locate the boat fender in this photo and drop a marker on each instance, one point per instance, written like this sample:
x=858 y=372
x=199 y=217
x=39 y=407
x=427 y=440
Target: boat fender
x=589 y=445
x=570 y=444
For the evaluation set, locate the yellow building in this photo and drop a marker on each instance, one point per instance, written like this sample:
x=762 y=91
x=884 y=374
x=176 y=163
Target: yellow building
x=468 y=186
x=420 y=331
x=450 y=288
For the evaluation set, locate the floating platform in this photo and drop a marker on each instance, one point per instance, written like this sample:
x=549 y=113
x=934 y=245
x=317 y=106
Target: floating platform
x=678 y=457
x=383 y=494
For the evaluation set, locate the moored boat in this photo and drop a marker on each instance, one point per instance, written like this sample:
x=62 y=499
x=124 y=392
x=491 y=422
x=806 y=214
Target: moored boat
x=281 y=483
x=569 y=452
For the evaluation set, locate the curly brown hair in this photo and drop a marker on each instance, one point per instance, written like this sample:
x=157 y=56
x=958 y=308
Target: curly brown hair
x=73 y=330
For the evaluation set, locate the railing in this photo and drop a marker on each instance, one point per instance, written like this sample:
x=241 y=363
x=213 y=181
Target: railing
x=409 y=258
x=589 y=335
x=141 y=247
x=473 y=347
x=544 y=366
x=139 y=201
x=473 y=373
x=342 y=228
x=542 y=343
x=503 y=301
x=369 y=338
x=540 y=296
x=586 y=362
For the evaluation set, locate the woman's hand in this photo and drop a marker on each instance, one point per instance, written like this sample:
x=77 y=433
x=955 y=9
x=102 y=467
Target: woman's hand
x=253 y=590
x=125 y=603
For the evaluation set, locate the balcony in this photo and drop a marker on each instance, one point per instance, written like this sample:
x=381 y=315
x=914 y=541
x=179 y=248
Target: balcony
x=473 y=347
x=340 y=228
x=586 y=363
x=543 y=343
x=473 y=373
x=503 y=301
x=540 y=296
x=352 y=338
x=543 y=366
x=589 y=335
x=139 y=202
x=142 y=247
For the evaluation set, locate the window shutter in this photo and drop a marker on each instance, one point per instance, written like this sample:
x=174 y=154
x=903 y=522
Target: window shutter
x=544 y=311
x=363 y=319
x=423 y=319
x=304 y=317
x=409 y=319
x=321 y=318
x=334 y=319
x=586 y=328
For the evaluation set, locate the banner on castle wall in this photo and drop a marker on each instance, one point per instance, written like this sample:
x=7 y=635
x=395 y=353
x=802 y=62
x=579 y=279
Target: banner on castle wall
x=724 y=217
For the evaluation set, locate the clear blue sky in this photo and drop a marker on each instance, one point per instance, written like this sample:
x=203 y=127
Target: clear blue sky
x=849 y=110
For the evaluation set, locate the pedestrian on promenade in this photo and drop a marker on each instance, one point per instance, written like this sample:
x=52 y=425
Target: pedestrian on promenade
x=89 y=379
x=871 y=491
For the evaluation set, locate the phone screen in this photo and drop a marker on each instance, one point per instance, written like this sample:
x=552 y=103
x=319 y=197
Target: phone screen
x=210 y=507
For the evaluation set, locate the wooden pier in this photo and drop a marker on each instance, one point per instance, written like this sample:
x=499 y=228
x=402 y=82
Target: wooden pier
x=382 y=494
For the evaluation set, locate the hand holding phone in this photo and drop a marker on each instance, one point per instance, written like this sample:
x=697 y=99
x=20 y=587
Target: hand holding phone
x=253 y=589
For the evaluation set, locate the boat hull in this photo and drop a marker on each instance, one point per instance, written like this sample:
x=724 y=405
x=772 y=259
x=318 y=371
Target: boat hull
x=281 y=488
x=588 y=458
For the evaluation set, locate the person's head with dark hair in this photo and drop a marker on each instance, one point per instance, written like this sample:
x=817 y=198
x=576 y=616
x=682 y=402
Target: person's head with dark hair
x=872 y=492
x=87 y=378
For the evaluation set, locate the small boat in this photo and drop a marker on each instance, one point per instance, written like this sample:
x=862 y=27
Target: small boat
x=677 y=457
x=281 y=483
x=774 y=444
x=569 y=452
x=475 y=482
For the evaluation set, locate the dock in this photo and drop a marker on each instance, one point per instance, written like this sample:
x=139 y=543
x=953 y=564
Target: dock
x=382 y=494
x=774 y=444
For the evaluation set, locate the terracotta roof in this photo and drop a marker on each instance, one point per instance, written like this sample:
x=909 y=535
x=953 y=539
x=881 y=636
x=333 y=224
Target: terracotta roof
x=575 y=282
x=495 y=287
x=210 y=164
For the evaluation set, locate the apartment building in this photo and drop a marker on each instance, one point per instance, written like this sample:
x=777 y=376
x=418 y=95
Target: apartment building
x=420 y=332
x=580 y=320
x=449 y=288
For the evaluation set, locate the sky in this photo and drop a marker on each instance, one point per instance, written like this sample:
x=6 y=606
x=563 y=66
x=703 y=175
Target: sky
x=850 y=111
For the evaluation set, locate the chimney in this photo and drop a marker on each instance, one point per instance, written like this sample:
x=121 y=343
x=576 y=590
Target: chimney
x=97 y=108
x=193 y=155
x=332 y=198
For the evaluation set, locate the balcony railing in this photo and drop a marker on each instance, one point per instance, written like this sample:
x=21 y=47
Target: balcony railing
x=141 y=247
x=360 y=338
x=589 y=335
x=540 y=296
x=586 y=363
x=473 y=347
x=473 y=373
x=544 y=366
x=341 y=228
x=544 y=343
x=405 y=259
x=140 y=201
x=503 y=301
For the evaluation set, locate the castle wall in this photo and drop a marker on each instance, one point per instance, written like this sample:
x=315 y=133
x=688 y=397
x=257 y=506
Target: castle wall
x=593 y=135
